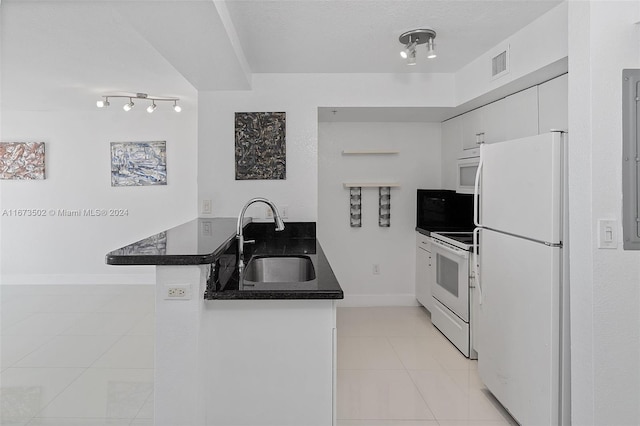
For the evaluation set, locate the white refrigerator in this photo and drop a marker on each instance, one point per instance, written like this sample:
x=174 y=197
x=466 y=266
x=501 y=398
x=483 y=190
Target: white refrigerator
x=521 y=342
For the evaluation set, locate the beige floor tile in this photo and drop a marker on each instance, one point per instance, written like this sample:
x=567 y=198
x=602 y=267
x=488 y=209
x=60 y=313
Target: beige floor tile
x=103 y=393
x=388 y=423
x=14 y=348
x=448 y=401
x=25 y=391
x=367 y=353
x=416 y=353
x=104 y=323
x=379 y=395
x=43 y=324
x=129 y=352
x=68 y=351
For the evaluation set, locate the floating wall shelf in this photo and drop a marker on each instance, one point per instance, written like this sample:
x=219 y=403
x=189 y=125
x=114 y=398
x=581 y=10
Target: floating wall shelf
x=370 y=185
x=369 y=152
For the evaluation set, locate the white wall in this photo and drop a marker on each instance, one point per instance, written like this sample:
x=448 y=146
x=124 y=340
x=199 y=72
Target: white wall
x=78 y=176
x=57 y=60
x=605 y=284
x=538 y=45
x=299 y=95
x=353 y=251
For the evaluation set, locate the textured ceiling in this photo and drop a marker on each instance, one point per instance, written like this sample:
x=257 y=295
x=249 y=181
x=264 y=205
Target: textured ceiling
x=361 y=36
x=64 y=49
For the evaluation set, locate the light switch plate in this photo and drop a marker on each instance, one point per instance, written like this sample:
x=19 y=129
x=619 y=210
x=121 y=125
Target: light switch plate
x=607 y=233
x=206 y=206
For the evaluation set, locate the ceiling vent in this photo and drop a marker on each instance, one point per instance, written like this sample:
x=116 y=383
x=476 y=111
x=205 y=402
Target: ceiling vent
x=500 y=63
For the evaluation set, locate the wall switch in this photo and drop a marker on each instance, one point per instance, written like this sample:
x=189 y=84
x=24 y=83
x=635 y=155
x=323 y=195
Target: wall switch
x=206 y=206
x=607 y=233
x=284 y=211
x=177 y=291
x=376 y=269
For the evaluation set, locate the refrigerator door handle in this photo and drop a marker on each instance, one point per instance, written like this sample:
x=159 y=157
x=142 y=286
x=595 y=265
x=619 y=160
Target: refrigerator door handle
x=476 y=271
x=476 y=192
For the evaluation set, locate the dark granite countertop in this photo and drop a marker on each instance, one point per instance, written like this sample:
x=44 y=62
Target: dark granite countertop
x=197 y=242
x=297 y=239
x=205 y=241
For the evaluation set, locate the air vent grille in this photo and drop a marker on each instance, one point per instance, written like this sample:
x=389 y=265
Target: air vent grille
x=499 y=64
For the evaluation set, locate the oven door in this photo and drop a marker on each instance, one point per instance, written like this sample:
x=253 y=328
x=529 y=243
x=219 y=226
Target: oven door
x=451 y=286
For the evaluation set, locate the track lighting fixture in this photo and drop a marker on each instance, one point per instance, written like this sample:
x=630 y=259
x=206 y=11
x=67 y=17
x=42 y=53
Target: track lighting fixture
x=411 y=39
x=143 y=96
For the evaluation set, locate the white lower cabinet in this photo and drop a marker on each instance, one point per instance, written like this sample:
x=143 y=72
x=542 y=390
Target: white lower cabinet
x=269 y=362
x=424 y=270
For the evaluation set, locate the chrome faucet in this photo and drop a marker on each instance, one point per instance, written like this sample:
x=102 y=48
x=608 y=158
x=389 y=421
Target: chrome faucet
x=239 y=235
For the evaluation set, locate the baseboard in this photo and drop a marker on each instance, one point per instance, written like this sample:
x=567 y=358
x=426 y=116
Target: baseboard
x=362 y=300
x=78 y=279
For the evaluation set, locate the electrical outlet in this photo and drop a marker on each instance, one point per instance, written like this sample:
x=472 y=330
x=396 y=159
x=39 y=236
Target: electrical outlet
x=177 y=291
x=268 y=213
x=284 y=212
x=376 y=269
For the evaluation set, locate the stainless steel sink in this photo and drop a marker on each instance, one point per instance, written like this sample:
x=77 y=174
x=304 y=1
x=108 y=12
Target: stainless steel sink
x=279 y=269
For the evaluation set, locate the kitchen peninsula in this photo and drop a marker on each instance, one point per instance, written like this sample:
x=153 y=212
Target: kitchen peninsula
x=233 y=352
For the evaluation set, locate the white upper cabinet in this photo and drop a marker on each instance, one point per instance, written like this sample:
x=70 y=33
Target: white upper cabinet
x=494 y=116
x=521 y=114
x=529 y=112
x=451 y=150
x=472 y=128
x=553 y=108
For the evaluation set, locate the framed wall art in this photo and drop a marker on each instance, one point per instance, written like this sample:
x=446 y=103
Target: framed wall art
x=22 y=160
x=138 y=163
x=260 y=150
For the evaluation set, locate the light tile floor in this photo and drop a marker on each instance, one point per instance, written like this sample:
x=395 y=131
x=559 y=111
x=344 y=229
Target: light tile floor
x=396 y=369
x=76 y=355
x=83 y=356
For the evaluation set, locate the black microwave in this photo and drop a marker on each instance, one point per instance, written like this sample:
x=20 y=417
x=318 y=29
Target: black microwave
x=443 y=210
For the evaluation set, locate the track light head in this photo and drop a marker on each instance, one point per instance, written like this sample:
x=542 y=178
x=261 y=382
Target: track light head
x=431 y=51
x=151 y=107
x=103 y=103
x=409 y=50
x=176 y=107
x=127 y=107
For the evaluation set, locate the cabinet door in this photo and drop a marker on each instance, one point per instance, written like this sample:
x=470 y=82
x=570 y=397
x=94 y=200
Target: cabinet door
x=553 y=107
x=424 y=272
x=472 y=128
x=451 y=149
x=493 y=118
x=521 y=114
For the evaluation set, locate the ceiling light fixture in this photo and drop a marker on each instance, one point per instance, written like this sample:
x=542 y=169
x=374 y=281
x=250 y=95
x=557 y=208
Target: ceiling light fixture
x=413 y=38
x=143 y=96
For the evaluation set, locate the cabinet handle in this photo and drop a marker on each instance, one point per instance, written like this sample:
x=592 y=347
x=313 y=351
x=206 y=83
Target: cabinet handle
x=479 y=138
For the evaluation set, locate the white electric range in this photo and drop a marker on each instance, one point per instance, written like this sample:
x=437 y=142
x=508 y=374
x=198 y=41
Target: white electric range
x=452 y=311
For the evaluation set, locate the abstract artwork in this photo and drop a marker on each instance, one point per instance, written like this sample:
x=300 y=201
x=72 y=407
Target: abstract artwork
x=384 y=206
x=138 y=163
x=260 y=145
x=22 y=160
